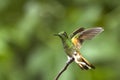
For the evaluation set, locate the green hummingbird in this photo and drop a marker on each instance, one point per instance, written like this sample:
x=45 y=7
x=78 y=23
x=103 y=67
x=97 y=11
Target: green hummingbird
x=74 y=41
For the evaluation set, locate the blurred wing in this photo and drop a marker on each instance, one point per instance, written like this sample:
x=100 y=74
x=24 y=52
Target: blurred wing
x=90 y=33
x=76 y=31
x=80 y=36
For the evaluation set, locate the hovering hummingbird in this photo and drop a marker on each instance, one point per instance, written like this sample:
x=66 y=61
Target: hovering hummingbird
x=74 y=41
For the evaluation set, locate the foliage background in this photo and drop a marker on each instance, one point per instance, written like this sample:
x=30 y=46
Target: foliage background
x=29 y=51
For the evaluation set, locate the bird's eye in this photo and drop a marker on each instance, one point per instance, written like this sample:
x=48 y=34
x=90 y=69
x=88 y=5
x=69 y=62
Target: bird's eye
x=65 y=34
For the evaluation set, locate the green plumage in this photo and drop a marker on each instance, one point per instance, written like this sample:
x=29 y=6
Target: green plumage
x=73 y=43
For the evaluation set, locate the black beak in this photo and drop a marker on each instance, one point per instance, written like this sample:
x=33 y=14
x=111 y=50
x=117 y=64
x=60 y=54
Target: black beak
x=56 y=34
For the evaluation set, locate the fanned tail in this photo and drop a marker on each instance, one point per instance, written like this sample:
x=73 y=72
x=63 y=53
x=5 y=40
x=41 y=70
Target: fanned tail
x=83 y=63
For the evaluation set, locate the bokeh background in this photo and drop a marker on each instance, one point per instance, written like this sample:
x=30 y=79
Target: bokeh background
x=29 y=51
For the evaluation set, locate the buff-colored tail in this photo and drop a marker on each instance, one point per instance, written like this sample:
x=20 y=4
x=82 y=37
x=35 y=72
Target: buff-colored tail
x=83 y=63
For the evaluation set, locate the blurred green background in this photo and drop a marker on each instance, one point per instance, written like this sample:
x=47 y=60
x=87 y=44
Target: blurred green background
x=29 y=51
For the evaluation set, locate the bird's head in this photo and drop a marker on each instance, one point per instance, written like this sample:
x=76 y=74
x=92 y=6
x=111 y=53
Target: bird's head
x=62 y=35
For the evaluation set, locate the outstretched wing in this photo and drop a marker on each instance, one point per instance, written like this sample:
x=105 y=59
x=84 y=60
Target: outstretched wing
x=90 y=33
x=80 y=36
x=76 y=31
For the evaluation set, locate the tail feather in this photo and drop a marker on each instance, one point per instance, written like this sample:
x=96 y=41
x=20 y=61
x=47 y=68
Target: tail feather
x=83 y=67
x=86 y=64
x=83 y=63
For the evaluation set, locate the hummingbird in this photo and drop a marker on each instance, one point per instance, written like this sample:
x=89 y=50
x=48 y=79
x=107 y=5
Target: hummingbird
x=73 y=42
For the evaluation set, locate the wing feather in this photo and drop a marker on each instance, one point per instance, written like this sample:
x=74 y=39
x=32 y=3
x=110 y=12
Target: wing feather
x=80 y=35
x=76 y=32
x=90 y=33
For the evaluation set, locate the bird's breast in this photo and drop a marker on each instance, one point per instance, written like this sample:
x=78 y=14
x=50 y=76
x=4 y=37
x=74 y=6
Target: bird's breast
x=69 y=51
